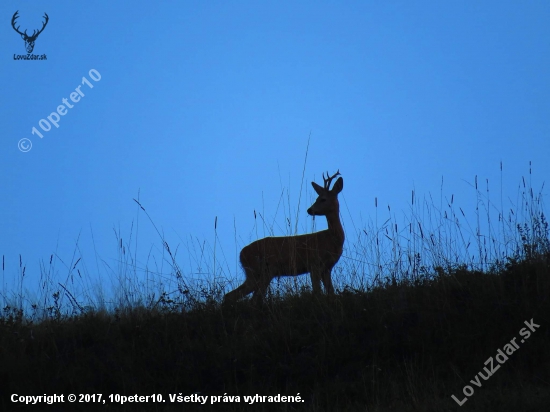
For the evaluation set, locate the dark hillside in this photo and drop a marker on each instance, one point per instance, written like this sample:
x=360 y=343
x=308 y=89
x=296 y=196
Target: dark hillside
x=407 y=346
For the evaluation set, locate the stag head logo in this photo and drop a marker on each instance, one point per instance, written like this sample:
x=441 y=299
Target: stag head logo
x=29 y=40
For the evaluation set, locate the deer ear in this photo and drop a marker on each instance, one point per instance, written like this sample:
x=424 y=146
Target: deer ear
x=338 y=186
x=318 y=188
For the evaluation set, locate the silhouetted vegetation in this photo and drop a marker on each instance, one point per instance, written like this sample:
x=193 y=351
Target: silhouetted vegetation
x=417 y=333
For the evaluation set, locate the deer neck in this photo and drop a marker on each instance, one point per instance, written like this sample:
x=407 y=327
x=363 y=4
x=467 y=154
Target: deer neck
x=335 y=226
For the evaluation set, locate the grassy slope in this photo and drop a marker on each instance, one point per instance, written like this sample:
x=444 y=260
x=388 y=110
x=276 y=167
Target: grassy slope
x=396 y=347
x=408 y=344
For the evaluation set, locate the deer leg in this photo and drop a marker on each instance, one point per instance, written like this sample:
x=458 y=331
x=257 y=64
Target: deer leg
x=327 y=282
x=315 y=281
x=240 y=292
x=261 y=290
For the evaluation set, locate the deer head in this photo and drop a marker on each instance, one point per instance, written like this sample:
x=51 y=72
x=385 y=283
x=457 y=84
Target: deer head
x=29 y=40
x=327 y=202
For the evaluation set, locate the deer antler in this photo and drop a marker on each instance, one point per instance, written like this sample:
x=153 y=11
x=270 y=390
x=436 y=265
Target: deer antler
x=328 y=180
x=34 y=34
x=43 y=26
x=15 y=16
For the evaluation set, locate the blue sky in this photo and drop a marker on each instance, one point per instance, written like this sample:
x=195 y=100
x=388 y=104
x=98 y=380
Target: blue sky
x=204 y=109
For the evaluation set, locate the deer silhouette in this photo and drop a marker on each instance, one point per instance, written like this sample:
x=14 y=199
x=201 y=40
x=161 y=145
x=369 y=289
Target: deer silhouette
x=314 y=253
